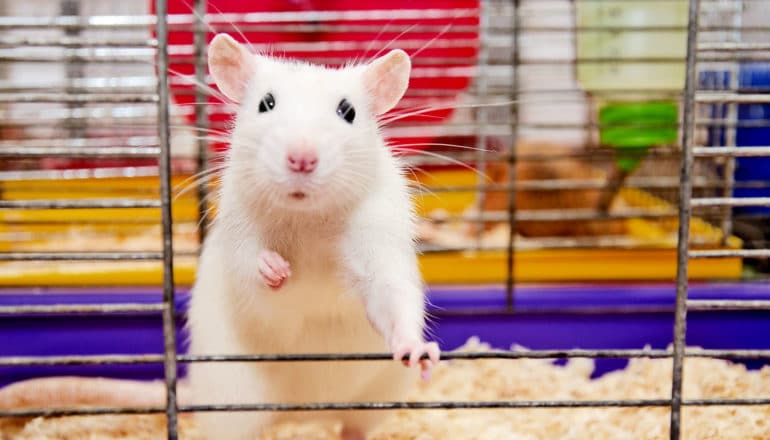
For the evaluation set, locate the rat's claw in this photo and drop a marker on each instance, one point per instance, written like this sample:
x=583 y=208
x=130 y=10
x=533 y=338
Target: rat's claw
x=434 y=354
x=399 y=353
x=425 y=370
x=415 y=351
x=273 y=268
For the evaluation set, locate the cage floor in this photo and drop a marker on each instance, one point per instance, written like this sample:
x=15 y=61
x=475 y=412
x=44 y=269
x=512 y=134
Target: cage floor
x=596 y=316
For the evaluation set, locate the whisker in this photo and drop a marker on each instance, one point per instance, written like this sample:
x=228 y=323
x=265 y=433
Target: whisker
x=438 y=144
x=192 y=80
x=448 y=159
x=202 y=129
x=189 y=104
x=212 y=205
x=421 y=107
x=371 y=43
x=207 y=103
x=188 y=188
x=439 y=118
x=419 y=185
x=202 y=18
x=432 y=40
x=198 y=175
x=207 y=137
x=384 y=48
x=223 y=139
x=429 y=109
x=237 y=29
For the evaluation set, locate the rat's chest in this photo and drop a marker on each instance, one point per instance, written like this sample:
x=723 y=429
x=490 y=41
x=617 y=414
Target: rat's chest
x=318 y=281
x=313 y=311
x=309 y=248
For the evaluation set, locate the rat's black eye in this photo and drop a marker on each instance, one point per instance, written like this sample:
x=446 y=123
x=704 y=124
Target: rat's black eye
x=267 y=103
x=346 y=111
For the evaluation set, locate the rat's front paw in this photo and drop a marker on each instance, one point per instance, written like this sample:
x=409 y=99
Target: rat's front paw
x=416 y=349
x=273 y=268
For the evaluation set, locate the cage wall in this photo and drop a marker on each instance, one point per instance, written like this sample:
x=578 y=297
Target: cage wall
x=543 y=222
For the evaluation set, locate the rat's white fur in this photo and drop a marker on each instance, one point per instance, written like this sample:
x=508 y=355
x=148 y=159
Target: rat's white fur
x=355 y=285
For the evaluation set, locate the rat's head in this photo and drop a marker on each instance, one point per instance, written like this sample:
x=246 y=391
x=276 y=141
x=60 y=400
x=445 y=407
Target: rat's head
x=306 y=137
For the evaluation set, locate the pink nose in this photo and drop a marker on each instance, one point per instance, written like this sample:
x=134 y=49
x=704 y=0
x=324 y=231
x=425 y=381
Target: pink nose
x=302 y=159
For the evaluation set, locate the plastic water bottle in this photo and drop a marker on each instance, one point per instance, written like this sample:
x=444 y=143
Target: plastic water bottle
x=631 y=58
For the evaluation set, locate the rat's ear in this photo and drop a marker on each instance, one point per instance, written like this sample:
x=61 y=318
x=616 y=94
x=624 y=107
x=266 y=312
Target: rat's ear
x=231 y=65
x=386 y=79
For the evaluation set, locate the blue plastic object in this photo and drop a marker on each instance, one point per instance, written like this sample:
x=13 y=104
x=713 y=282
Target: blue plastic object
x=61 y=335
x=754 y=78
x=550 y=317
x=753 y=128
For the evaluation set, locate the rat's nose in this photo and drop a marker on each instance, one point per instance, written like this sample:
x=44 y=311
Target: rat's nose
x=302 y=159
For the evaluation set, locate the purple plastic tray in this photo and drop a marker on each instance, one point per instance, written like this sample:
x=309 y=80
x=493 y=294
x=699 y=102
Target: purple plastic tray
x=547 y=317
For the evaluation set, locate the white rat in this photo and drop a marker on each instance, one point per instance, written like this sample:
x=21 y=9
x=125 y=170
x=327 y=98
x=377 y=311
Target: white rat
x=312 y=250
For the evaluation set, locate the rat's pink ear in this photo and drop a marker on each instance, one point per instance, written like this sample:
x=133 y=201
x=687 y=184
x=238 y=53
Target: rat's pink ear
x=231 y=65
x=386 y=79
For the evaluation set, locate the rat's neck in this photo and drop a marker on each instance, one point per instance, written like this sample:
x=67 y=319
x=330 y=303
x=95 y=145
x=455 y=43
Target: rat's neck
x=277 y=225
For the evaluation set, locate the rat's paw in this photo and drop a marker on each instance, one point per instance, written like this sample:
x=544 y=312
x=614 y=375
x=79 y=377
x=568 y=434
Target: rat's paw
x=273 y=268
x=416 y=349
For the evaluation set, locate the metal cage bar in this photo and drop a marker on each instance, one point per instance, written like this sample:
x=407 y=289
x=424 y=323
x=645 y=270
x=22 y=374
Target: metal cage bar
x=164 y=135
x=160 y=149
x=514 y=114
x=201 y=112
x=482 y=118
x=683 y=237
x=535 y=354
x=375 y=406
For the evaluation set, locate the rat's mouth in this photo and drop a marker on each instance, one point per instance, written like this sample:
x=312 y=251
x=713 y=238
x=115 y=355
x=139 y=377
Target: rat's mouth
x=298 y=195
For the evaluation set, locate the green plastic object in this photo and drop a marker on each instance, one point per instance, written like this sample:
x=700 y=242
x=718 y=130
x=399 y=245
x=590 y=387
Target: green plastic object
x=632 y=128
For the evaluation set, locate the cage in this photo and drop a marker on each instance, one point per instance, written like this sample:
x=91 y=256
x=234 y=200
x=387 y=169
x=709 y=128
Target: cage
x=556 y=149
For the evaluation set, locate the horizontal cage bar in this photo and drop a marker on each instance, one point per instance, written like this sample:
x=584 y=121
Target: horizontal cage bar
x=79 y=256
x=143 y=152
x=715 y=305
x=75 y=308
x=732 y=98
x=247 y=17
x=732 y=46
x=511 y=355
x=730 y=201
x=459 y=62
x=586 y=242
x=77 y=99
x=86 y=173
x=55 y=412
x=727 y=253
x=85 y=142
x=78 y=204
x=554 y=215
x=66 y=41
x=630 y=403
x=553 y=185
x=731 y=151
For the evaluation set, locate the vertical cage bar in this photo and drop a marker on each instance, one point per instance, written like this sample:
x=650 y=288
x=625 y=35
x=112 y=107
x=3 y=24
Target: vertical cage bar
x=73 y=71
x=514 y=115
x=169 y=329
x=726 y=222
x=482 y=120
x=683 y=242
x=201 y=118
x=731 y=129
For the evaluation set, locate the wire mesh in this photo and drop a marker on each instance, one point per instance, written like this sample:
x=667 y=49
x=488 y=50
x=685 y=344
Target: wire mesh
x=127 y=124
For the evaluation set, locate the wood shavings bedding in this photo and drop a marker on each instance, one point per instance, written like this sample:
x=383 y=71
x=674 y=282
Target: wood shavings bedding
x=521 y=379
x=463 y=235
x=185 y=241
